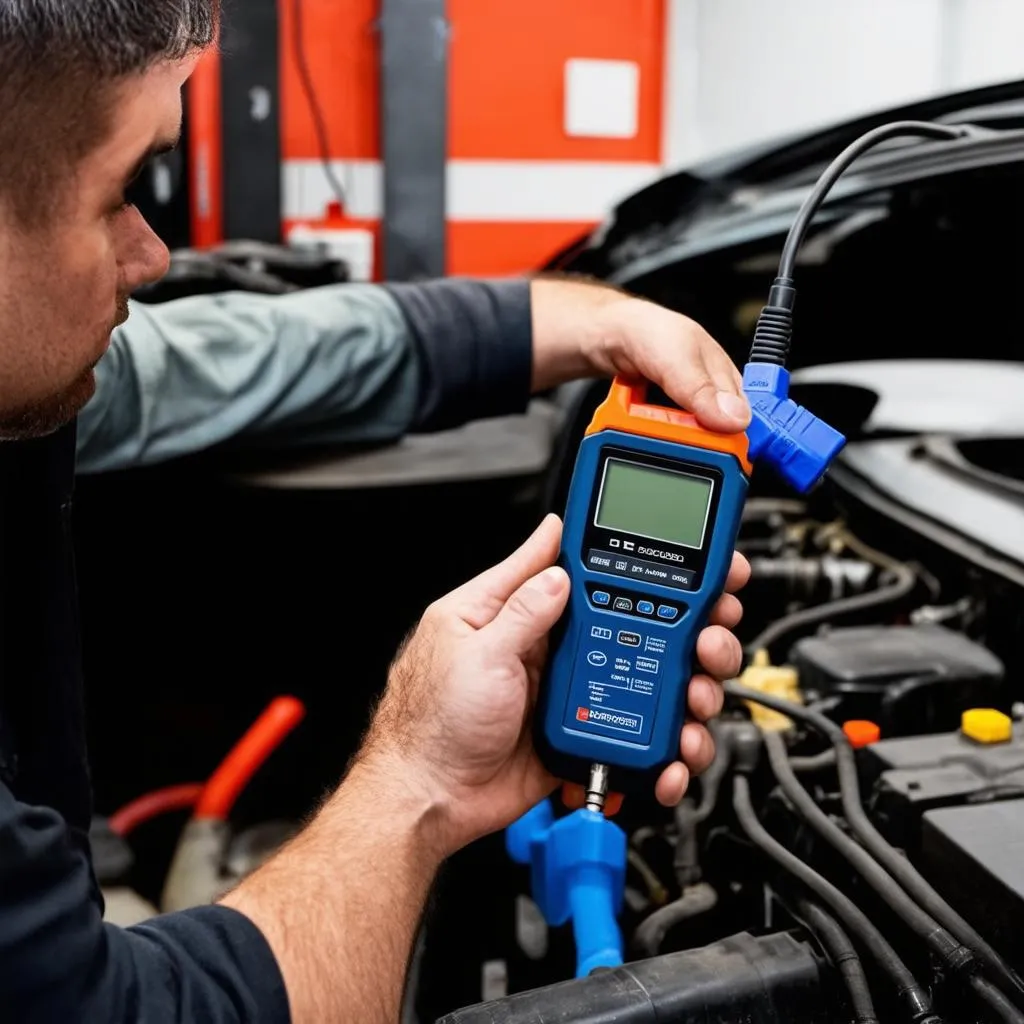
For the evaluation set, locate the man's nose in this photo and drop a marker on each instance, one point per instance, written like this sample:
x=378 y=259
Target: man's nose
x=144 y=257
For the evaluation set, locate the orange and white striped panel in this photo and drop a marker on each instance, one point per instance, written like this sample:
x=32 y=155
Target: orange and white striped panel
x=555 y=114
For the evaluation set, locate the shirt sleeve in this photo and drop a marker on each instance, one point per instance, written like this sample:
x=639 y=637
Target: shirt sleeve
x=346 y=363
x=60 y=962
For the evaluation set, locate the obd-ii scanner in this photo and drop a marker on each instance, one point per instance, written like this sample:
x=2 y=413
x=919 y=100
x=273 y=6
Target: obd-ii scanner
x=650 y=526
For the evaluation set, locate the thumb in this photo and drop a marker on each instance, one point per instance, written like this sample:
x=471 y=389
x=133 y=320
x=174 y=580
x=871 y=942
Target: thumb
x=692 y=384
x=529 y=614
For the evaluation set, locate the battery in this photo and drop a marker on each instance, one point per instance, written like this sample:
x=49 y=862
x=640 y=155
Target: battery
x=974 y=856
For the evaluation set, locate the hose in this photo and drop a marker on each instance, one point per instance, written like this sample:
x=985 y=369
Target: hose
x=996 y=1001
x=262 y=738
x=890 y=593
x=852 y=917
x=814 y=762
x=152 y=805
x=696 y=899
x=937 y=938
x=891 y=859
x=841 y=952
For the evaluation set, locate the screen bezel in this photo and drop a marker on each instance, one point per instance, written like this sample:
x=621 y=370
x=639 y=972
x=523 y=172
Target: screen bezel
x=702 y=477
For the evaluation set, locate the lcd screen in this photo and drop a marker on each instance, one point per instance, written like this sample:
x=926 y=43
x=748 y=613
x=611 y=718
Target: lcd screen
x=660 y=504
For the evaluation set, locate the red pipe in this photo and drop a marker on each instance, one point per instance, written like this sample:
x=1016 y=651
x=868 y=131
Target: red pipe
x=151 y=805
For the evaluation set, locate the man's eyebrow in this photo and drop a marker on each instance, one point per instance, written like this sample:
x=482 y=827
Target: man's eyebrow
x=165 y=145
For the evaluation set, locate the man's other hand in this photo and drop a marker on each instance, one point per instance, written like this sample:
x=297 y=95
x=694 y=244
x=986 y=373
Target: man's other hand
x=455 y=717
x=582 y=329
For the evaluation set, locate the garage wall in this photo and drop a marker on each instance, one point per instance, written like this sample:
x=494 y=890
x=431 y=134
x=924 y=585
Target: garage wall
x=744 y=70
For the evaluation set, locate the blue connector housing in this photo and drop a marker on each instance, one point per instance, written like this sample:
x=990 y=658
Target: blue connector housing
x=793 y=440
x=577 y=872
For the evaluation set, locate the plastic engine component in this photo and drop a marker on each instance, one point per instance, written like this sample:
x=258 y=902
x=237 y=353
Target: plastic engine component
x=908 y=679
x=577 y=872
x=767 y=979
x=912 y=775
x=972 y=855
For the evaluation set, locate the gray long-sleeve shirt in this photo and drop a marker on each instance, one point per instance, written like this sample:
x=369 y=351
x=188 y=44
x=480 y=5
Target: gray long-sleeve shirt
x=346 y=363
x=343 y=362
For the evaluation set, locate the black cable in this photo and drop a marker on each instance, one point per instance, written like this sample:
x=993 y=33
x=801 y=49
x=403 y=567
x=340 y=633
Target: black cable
x=696 y=900
x=894 y=862
x=892 y=592
x=841 y=952
x=996 y=1001
x=951 y=952
x=775 y=324
x=319 y=123
x=852 y=917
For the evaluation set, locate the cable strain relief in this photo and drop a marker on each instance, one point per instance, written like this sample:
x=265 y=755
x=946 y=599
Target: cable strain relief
x=772 y=336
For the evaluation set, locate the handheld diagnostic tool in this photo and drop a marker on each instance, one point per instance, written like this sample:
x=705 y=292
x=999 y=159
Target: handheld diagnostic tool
x=650 y=525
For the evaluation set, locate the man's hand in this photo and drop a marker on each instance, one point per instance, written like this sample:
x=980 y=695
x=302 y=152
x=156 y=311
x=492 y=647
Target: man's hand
x=455 y=718
x=582 y=329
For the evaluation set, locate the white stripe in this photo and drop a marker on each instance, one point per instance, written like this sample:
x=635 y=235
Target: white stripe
x=477 y=190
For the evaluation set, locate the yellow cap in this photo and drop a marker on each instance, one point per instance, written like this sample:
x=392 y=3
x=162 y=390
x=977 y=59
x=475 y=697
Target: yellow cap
x=775 y=681
x=986 y=725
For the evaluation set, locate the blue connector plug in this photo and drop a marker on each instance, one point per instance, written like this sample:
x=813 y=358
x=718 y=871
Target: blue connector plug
x=577 y=871
x=796 y=443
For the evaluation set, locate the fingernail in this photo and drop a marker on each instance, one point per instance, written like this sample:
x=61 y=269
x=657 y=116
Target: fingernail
x=551 y=581
x=734 y=406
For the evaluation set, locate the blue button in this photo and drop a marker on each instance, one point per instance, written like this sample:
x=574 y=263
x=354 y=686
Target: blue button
x=601 y=597
x=645 y=607
x=666 y=611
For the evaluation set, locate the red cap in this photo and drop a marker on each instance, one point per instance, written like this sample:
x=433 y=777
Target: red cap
x=860 y=733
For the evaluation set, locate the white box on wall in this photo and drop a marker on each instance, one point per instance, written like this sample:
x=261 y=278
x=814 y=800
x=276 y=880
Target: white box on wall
x=602 y=98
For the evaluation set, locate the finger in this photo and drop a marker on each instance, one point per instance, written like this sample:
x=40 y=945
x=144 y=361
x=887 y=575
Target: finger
x=671 y=785
x=697 y=748
x=728 y=612
x=479 y=601
x=529 y=613
x=739 y=573
x=719 y=652
x=705 y=697
x=723 y=370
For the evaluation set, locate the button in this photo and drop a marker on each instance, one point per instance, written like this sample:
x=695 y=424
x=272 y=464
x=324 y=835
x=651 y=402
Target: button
x=984 y=725
x=623 y=604
x=647 y=665
x=666 y=611
x=601 y=632
x=629 y=639
x=601 y=597
x=597 y=658
x=645 y=607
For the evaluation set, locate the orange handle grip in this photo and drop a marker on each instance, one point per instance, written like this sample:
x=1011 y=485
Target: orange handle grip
x=626 y=409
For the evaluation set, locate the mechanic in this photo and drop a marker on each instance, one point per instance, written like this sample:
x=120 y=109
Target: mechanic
x=323 y=931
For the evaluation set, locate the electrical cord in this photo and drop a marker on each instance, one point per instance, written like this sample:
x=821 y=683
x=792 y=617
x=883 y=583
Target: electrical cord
x=996 y=1001
x=828 y=931
x=852 y=917
x=775 y=323
x=315 y=110
x=945 y=946
x=887 y=855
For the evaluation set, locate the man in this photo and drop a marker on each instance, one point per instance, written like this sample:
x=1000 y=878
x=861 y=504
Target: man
x=323 y=931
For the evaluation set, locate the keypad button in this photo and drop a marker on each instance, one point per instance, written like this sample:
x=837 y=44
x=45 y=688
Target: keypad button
x=601 y=597
x=667 y=611
x=645 y=607
x=623 y=604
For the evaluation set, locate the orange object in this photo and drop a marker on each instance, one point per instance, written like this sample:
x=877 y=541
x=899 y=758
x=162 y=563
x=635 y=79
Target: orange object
x=860 y=733
x=264 y=736
x=152 y=805
x=206 y=151
x=574 y=797
x=625 y=409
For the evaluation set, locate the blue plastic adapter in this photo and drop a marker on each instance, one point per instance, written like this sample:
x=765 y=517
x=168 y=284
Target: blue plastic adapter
x=793 y=440
x=577 y=872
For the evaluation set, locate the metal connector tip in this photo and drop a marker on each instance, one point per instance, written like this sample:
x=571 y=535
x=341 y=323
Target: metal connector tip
x=597 y=788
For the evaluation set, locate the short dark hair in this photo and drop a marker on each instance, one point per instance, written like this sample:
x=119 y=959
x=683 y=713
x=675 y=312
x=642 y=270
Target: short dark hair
x=58 y=61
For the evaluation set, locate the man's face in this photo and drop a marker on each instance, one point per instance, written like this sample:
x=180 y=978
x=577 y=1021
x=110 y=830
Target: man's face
x=64 y=286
